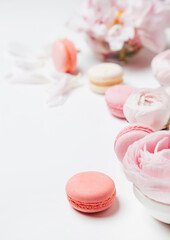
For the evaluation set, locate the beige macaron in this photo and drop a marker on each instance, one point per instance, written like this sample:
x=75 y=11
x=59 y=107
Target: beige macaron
x=104 y=75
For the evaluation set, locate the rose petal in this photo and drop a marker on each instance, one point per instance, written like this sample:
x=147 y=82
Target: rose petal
x=149 y=107
x=161 y=68
x=147 y=165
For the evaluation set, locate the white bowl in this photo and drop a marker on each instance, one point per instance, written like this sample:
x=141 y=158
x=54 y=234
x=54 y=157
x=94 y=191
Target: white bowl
x=158 y=210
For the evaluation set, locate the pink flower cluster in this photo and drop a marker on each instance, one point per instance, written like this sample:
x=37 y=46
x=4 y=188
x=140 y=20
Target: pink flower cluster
x=117 y=22
x=145 y=156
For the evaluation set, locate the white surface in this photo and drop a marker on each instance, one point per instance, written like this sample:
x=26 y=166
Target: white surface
x=41 y=147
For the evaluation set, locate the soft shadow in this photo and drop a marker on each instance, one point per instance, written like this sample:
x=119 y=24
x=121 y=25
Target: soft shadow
x=141 y=60
x=105 y=214
x=77 y=71
x=162 y=224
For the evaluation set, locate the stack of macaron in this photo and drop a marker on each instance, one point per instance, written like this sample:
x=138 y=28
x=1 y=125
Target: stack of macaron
x=150 y=107
x=138 y=106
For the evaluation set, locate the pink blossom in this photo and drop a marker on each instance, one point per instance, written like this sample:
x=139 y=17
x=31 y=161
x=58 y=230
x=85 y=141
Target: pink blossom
x=161 y=68
x=147 y=165
x=150 y=107
x=118 y=21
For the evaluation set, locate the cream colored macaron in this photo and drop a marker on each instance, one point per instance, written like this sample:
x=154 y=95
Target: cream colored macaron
x=104 y=75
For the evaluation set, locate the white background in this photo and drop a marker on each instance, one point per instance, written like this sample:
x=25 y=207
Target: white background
x=42 y=147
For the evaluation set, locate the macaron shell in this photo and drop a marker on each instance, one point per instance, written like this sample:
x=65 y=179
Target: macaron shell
x=116 y=111
x=72 y=55
x=105 y=72
x=97 y=89
x=103 y=76
x=60 y=56
x=128 y=136
x=90 y=187
x=116 y=97
x=64 y=56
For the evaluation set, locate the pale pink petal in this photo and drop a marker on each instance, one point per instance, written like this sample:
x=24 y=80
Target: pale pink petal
x=26 y=77
x=154 y=41
x=61 y=87
x=147 y=165
x=149 y=107
x=161 y=68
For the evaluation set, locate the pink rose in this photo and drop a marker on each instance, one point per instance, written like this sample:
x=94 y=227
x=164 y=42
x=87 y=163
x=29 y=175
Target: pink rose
x=147 y=165
x=161 y=67
x=150 y=107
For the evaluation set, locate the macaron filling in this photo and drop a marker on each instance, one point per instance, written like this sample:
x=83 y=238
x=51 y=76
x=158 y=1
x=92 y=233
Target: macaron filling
x=92 y=205
x=116 y=110
x=106 y=84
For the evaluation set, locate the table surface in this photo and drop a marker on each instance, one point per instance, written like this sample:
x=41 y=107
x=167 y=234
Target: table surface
x=42 y=147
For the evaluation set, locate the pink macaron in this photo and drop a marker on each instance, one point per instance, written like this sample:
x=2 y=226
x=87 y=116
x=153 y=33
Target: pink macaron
x=64 y=56
x=90 y=192
x=128 y=136
x=116 y=97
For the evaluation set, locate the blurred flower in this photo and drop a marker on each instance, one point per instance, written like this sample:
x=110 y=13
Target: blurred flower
x=61 y=87
x=27 y=65
x=147 y=165
x=18 y=76
x=120 y=22
x=149 y=107
x=161 y=67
